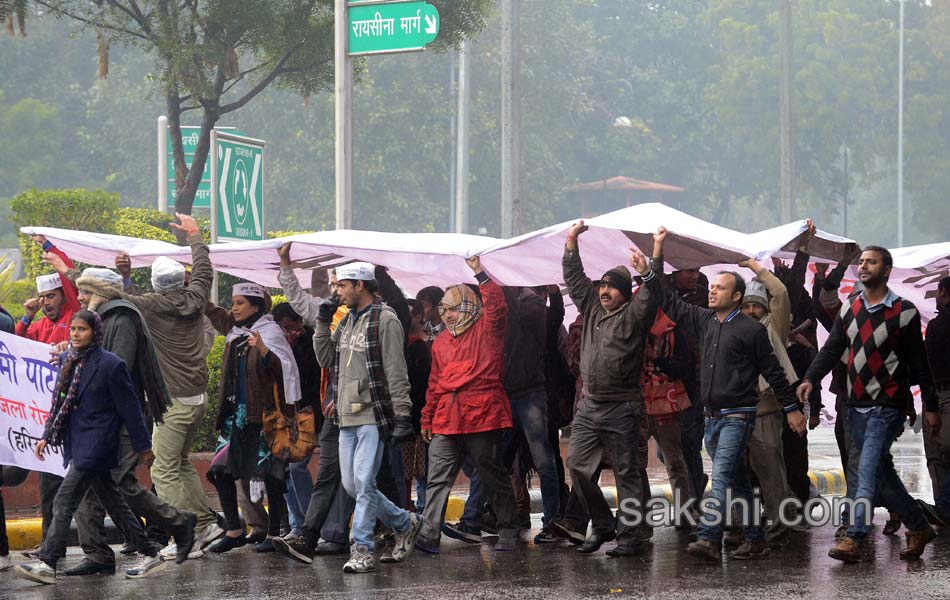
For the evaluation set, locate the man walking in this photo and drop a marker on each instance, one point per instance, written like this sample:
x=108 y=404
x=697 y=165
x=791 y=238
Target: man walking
x=369 y=389
x=609 y=414
x=736 y=351
x=174 y=313
x=881 y=333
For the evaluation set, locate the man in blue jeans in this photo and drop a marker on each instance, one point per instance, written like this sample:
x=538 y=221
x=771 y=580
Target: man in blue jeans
x=735 y=351
x=369 y=392
x=881 y=334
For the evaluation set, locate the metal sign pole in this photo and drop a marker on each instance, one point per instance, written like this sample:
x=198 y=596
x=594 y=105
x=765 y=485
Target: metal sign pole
x=214 y=206
x=163 y=163
x=343 y=88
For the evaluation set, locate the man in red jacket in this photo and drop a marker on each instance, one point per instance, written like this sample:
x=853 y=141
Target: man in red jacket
x=58 y=298
x=467 y=409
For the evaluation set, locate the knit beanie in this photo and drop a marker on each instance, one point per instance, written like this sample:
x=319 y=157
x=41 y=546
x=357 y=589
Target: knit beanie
x=755 y=292
x=619 y=279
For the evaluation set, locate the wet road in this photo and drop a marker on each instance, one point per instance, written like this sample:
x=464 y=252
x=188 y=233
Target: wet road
x=801 y=570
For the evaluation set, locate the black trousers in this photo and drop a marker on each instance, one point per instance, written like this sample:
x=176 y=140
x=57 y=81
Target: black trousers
x=72 y=490
x=49 y=485
x=226 y=485
x=327 y=488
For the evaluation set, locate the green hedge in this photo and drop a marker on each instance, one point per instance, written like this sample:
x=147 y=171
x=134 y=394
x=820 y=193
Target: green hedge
x=207 y=437
x=85 y=210
x=16 y=293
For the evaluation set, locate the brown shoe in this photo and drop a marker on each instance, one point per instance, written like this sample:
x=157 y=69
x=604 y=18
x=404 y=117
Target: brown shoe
x=706 y=550
x=917 y=541
x=846 y=550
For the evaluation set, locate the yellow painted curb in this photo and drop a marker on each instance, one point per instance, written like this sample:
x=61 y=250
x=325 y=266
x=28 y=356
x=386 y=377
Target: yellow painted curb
x=24 y=534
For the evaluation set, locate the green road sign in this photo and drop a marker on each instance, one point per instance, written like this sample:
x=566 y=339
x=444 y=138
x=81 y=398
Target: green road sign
x=189 y=140
x=391 y=27
x=238 y=182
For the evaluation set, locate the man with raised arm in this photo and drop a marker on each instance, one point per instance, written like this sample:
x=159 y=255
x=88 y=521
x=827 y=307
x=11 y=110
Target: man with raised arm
x=736 y=351
x=610 y=410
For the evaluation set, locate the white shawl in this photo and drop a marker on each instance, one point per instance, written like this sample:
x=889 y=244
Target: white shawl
x=273 y=337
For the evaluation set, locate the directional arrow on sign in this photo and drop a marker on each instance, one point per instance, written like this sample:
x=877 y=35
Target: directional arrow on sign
x=431 y=28
x=223 y=191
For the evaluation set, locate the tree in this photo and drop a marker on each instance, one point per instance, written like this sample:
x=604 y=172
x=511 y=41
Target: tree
x=215 y=57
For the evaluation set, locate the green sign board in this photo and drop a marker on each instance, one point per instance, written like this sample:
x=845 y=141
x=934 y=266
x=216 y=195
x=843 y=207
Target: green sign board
x=239 y=188
x=189 y=140
x=391 y=27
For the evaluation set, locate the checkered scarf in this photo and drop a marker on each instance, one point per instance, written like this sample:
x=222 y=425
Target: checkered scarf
x=464 y=300
x=378 y=387
x=67 y=385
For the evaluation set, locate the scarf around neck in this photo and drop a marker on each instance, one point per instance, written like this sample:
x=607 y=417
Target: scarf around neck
x=65 y=394
x=276 y=342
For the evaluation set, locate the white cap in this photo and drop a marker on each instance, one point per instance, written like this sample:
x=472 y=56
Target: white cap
x=167 y=275
x=107 y=276
x=359 y=271
x=46 y=283
x=247 y=289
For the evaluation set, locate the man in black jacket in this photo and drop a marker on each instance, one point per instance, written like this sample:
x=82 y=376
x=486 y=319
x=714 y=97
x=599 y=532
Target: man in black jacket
x=607 y=423
x=736 y=351
x=937 y=446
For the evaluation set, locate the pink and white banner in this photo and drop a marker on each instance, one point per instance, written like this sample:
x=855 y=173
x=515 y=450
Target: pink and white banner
x=26 y=388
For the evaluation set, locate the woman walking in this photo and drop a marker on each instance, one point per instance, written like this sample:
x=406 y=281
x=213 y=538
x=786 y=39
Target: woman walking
x=92 y=401
x=258 y=373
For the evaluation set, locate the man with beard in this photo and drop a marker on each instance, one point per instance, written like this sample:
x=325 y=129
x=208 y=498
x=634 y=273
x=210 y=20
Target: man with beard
x=882 y=334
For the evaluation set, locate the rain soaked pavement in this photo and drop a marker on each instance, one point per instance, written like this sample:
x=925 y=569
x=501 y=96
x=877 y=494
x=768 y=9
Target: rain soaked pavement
x=801 y=570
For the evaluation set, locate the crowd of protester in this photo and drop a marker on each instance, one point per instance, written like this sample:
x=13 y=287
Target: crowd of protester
x=399 y=394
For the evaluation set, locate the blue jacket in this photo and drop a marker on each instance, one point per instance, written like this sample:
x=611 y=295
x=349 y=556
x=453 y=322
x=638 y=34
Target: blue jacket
x=107 y=401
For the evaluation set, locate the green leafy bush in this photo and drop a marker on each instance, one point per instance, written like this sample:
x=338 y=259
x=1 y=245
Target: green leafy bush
x=15 y=294
x=85 y=210
x=207 y=437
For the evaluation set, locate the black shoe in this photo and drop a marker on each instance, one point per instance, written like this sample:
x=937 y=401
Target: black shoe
x=226 y=543
x=933 y=514
x=331 y=548
x=295 y=547
x=257 y=537
x=628 y=549
x=564 y=531
x=265 y=547
x=463 y=532
x=595 y=541
x=186 y=540
x=546 y=536
x=88 y=567
x=128 y=549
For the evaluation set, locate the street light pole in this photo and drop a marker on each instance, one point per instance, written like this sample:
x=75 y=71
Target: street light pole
x=900 y=131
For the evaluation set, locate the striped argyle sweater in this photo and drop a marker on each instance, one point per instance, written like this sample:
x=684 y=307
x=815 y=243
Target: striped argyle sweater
x=876 y=374
x=885 y=355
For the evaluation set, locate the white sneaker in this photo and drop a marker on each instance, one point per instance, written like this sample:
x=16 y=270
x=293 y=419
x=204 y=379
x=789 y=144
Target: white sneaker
x=6 y=562
x=406 y=540
x=361 y=561
x=208 y=535
x=149 y=566
x=37 y=571
x=170 y=551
